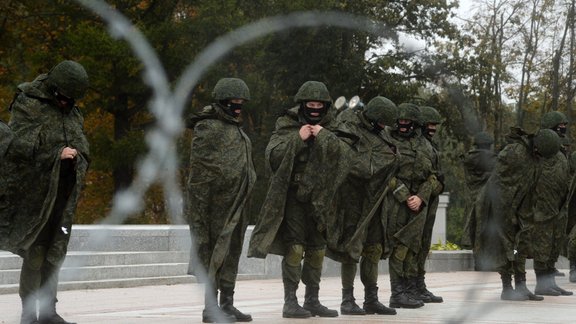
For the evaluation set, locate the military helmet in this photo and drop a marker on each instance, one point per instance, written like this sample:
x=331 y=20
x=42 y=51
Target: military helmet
x=381 y=110
x=483 y=138
x=313 y=91
x=231 y=88
x=547 y=142
x=429 y=115
x=409 y=111
x=552 y=119
x=69 y=78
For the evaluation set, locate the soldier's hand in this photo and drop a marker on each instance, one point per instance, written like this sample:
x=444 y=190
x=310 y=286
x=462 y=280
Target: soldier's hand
x=68 y=153
x=414 y=202
x=305 y=132
x=316 y=129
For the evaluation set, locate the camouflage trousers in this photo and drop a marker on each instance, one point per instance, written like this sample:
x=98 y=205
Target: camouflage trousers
x=371 y=254
x=304 y=241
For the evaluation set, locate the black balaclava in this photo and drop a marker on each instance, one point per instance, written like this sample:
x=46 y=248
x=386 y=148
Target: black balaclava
x=230 y=107
x=410 y=129
x=65 y=103
x=306 y=113
x=428 y=132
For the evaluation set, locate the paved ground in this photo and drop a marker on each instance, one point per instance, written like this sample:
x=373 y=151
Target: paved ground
x=470 y=297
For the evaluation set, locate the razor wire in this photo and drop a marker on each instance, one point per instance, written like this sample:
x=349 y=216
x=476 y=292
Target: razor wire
x=160 y=164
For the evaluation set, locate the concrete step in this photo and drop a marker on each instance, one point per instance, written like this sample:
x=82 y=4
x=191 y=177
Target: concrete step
x=88 y=258
x=107 y=272
x=111 y=283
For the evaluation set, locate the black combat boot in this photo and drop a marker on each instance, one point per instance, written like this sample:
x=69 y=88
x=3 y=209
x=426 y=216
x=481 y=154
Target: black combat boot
x=553 y=284
x=372 y=305
x=227 y=306
x=212 y=313
x=557 y=273
x=508 y=293
x=572 y=271
x=28 y=312
x=544 y=284
x=520 y=281
x=48 y=315
x=424 y=294
x=291 y=308
x=312 y=304
x=348 y=305
x=399 y=298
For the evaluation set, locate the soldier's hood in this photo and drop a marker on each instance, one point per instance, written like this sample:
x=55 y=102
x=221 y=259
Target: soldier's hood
x=518 y=135
x=213 y=111
x=37 y=88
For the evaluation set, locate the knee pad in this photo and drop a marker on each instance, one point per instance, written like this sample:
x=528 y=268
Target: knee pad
x=35 y=257
x=400 y=252
x=315 y=258
x=372 y=252
x=294 y=255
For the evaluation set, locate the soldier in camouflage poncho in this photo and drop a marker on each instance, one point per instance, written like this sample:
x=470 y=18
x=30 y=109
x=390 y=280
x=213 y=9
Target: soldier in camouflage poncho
x=46 y=165
x=571 y=219
x=407 y=206
x=549 y=224
x=504 y=209
x=220 y=180
x=307 y=157
x=361 y=226
x=478 y=165
x=430 y=119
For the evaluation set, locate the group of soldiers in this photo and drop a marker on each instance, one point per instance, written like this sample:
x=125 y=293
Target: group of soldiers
x=356 y=185
x=523 y=207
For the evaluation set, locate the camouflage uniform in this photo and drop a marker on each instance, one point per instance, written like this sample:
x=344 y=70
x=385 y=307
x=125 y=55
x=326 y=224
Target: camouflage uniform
x=429 y=117
x=549 y=213
x=45 y=121
x=571 y=219
x=504 y=209
x=361 y=225
x=415 y=179
x=220 y=180
x=298 y=210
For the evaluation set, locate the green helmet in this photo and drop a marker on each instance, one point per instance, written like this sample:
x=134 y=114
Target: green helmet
x=69 y=78
x=409 y=111
x=231 y=88
x=429 y=115
x=483 y=138
x=313 y=91
x=547 y=142
x=552 y=119
x=381 y=110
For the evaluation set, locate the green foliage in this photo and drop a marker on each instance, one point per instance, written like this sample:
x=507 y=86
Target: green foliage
x=449 y=246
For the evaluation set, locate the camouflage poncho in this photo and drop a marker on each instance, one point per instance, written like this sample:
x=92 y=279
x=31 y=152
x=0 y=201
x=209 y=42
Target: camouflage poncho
x=416 y=175
x=41 y=131
x=504 y=203
x=551 y=191
x=478 y=166
x=325 y=171
x=219 y=183
x=373 y=164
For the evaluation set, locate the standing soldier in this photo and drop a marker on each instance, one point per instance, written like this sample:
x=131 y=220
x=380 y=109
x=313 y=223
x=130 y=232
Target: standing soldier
x=505 y=208
x=308 y=161
x=430 y=121
x=359 y=219
x=407 y=206
x=221 y=178
x=550 y=223
x=47 y=163
x=478 y=165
